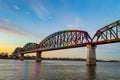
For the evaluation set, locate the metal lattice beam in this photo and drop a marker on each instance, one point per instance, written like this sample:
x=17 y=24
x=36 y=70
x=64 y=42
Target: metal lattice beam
x=74 y=38
x=30 y=47
x=65 y=39
x=108 y=34
x=17 y=51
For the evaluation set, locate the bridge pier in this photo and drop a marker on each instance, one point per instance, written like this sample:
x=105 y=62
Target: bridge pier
x=38 y=56
x=91 y=54
x=21 y=57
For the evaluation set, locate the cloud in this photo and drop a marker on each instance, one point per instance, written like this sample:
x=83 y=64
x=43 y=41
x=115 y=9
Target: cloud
x=16 y=7
x=39 y=9
x=74 y=24
x=8 y=27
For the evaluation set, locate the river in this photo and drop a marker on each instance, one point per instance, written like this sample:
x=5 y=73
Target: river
x=58 y=70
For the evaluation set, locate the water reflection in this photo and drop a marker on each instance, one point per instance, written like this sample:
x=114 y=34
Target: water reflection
x=91 y=72
x=26 y=69
x=31 y=70
x=57 y=70
x=37 y=71
x=19 y=69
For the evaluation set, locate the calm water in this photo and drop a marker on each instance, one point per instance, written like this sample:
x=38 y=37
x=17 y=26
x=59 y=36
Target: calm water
x=57 y=70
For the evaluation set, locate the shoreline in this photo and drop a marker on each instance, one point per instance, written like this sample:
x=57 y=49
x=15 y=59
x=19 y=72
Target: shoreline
x=64 y=59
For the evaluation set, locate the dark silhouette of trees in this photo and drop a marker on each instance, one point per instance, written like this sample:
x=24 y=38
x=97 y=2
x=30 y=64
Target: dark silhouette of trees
x=4 y=55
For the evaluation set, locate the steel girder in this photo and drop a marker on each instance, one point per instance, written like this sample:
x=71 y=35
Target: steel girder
x=17 y=51
x=74 y=38
x=65 y=39
x=30 y=47
x=108 y=34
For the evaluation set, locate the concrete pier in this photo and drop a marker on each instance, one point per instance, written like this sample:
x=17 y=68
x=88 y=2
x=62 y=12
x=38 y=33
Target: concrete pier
x=91 y=72
x=22 y=57
x=91 y=54
x=38 y=56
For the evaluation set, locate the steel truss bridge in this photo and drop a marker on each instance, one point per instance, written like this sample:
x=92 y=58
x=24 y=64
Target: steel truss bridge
x=74 y=38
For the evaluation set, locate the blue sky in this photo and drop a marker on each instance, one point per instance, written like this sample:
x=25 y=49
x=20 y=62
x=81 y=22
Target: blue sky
x=23 y=21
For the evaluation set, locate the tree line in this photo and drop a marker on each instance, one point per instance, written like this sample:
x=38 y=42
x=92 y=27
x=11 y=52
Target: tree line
x=4 y=55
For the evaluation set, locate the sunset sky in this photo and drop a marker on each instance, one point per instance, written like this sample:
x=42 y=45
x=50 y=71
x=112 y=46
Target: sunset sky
x=24 y=21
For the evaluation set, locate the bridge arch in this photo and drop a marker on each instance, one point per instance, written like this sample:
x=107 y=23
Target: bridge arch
x=17 y=51
x=65 y=39
x=107 y=34
x=74 y=38
x=30 y=47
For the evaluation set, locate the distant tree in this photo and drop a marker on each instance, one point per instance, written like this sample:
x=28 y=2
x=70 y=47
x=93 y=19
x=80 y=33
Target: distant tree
x=4 y=55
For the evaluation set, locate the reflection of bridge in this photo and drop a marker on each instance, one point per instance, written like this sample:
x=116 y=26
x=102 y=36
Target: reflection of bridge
x=74 y=38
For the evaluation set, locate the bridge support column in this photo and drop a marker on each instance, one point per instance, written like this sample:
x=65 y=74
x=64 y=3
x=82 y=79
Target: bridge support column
x=91 y=55
x=21 y=57
x=38 y=56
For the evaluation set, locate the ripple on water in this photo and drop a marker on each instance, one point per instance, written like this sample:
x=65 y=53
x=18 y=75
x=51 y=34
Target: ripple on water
x=57 y=70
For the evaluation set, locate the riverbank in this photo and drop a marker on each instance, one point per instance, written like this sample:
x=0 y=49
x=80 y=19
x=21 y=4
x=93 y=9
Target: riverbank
x=64 y=59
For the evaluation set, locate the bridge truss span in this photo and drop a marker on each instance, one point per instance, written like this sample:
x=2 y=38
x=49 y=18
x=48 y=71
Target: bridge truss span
x=108 y=34
x=71 y=39
x=17 y=51
x=65 y=39
x=30 y=48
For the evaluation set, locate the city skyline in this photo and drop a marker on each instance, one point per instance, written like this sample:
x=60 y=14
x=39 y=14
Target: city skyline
x=23 y=21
